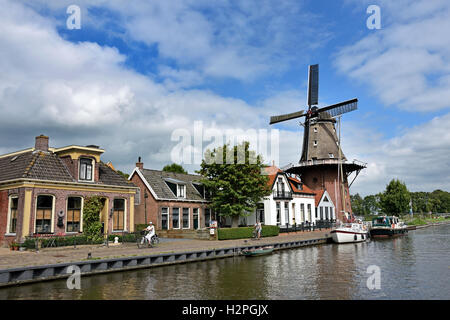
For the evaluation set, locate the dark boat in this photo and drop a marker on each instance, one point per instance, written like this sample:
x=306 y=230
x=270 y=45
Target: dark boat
x=387 y=227
x=257 y=252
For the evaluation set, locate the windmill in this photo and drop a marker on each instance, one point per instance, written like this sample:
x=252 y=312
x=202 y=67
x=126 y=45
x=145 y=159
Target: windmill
x=321 y=151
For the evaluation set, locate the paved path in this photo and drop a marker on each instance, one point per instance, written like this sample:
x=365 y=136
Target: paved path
x=12 y=259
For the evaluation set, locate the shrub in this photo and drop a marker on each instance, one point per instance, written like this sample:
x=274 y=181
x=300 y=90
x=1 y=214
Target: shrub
x=91 y=219
x=246 y=232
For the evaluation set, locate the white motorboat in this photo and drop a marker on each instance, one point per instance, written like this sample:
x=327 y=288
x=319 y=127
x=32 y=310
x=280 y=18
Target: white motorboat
x=350 y=232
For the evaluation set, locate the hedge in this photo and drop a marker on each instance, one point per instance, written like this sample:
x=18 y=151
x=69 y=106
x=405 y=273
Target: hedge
x=29 y=243
x=246 y=232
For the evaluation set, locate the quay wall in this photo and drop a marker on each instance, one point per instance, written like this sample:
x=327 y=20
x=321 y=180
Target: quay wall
x=23 y=275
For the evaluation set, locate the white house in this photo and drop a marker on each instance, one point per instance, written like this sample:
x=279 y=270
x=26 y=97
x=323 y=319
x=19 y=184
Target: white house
x=290 y=202
x=325 y=209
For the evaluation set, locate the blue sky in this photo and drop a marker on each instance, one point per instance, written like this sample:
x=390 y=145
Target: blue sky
x=137 y=71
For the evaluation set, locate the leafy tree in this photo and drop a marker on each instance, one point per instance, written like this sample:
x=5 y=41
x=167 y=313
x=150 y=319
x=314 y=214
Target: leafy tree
x=395 y=199
x=357 y=204
x=371 y=204
x=91 y=218
x=233 y=177
x=174 y=168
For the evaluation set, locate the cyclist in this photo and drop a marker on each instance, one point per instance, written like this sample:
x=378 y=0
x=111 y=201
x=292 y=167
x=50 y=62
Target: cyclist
x=150 y=232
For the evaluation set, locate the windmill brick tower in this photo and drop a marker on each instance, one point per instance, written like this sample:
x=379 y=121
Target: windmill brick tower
x=323 y=165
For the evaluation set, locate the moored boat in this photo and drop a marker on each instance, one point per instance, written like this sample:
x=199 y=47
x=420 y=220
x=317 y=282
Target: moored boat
x=350 y=232
x=258 y=252
x=387 y=227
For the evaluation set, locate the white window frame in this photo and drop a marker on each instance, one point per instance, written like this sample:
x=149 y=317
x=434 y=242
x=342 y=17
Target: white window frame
x=168 y=217
x=92 y=172
x=179 y=220
x=183 y=187
x=8 y=221
x=137 y=197
x=52 y=223
x=189 y=218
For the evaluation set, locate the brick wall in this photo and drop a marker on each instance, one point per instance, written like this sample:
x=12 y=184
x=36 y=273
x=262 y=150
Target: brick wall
x=154 y=208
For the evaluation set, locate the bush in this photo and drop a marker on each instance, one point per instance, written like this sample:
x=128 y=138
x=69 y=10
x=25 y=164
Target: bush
x=127 y=237
x=246 y=232
x=30 y=242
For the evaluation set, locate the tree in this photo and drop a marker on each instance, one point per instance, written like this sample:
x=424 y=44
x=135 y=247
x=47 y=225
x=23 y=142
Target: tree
x=371 y=204
x=174 y=168
x=233 y=177
x=125 y=175
x=395 y=199
x=357 y=204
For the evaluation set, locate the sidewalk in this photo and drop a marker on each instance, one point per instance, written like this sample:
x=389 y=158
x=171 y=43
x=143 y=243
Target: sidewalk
x=13 y=259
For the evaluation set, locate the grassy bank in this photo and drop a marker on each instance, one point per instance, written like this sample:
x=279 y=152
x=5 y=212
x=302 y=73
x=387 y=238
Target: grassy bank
x=423 y=220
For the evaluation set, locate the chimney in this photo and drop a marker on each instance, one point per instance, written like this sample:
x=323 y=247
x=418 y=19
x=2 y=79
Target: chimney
x=41 y=143
x=139 y=164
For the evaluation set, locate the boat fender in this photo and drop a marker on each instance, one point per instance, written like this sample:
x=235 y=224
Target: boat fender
x=356 y=237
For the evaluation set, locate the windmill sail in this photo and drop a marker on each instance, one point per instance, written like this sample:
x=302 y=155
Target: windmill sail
x=340 y=108
x=285 y=117
x=313 y=85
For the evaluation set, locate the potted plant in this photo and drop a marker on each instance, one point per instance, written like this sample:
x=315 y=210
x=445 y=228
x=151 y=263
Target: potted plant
x=13 y=246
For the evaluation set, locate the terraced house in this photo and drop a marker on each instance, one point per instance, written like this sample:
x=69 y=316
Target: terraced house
x=42 y=191
x=176 y=203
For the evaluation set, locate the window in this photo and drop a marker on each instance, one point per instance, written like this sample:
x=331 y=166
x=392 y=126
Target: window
x=181 y=191
x=85 y=169
x=176 y=218
x=315 y=129
x=207 y=217
x=315 y=142
x=331 y=213
x=309 y=213
x=286 y=213
x=13 y=205
x=260 y=212
x=44 y=209
x=119 y=214
x=137 y=197
x=195 y=217
x=326 y=213
x=165 y=218
x=325 y=199
x=331 y=155
x=185 y=218
x=278 y=213
x=321 y=213
x=302 y=212
x=73 y=214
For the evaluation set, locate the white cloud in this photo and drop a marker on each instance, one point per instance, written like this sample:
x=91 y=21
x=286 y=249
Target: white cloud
x=407 y=62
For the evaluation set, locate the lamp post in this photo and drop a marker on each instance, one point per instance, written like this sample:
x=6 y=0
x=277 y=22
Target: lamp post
x=145 y=205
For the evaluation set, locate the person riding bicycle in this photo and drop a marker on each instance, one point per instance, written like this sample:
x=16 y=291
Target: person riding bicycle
x=150 y=232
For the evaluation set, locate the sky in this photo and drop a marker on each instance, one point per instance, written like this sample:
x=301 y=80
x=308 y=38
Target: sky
x=138 y=78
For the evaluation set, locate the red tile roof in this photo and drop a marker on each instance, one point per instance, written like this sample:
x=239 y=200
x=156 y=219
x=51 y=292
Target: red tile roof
x=319 y=195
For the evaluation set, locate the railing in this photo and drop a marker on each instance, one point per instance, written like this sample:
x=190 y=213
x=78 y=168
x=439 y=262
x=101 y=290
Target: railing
x=308 y=226
x=282 y=194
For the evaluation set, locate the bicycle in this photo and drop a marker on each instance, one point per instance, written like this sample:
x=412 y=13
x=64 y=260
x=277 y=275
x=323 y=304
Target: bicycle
x=143 y=241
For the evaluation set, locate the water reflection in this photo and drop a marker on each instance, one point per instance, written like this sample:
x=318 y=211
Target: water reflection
x=413 y=267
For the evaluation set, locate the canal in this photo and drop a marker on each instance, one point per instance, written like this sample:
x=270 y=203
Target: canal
x=416 y=266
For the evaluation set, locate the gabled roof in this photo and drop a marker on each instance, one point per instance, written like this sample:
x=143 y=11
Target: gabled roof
x=294 y=182
x=319 y=196
x=157 y=182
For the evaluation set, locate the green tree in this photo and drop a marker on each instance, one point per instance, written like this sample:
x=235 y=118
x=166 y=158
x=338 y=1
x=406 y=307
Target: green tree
x=395 y=199
x=357 y=204
x=371 y=204
x=125 y=175
x=174 y=168
x=233 y=177
x=91 y=218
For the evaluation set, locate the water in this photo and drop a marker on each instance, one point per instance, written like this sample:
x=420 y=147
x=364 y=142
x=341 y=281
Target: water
x=416 y=266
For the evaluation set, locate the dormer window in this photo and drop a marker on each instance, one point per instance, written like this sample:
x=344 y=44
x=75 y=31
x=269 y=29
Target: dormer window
x=181 y=191
x=86 y=171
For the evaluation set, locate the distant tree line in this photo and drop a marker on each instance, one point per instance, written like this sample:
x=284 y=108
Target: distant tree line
x=395 y=199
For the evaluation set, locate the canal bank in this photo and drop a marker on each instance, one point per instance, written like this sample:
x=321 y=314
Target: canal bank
x=53 y=263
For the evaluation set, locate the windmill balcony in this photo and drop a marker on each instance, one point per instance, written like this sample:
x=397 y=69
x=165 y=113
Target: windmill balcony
x=282 y=194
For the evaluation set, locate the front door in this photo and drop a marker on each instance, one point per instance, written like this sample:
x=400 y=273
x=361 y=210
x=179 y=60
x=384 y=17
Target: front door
x=196 y=218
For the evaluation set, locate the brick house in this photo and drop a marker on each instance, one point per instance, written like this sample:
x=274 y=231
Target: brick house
x=176 y=203
x=42 y=191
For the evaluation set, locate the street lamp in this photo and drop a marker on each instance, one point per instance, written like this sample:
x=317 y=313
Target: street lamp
x=145 y=205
